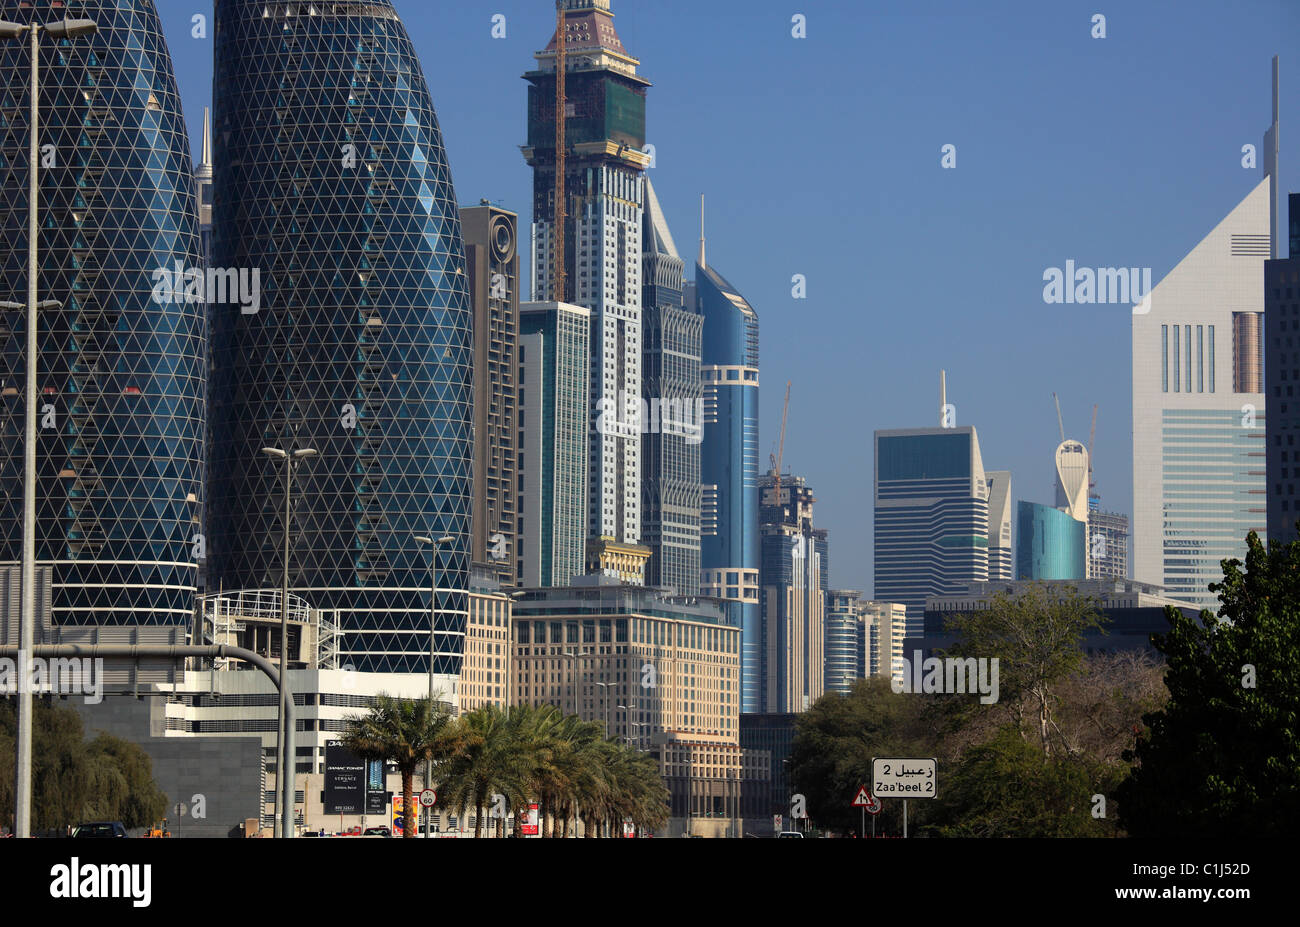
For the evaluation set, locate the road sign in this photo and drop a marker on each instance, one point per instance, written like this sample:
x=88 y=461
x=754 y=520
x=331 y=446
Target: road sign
x=428 y=797
x=866 y=801
x=179 y=808
x=903 y=777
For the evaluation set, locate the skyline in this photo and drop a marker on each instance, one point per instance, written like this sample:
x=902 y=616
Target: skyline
x=1046 y=172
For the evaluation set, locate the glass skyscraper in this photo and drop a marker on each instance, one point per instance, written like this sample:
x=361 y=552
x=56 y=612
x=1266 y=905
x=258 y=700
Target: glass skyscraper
x=931 y=516
x=673 y=404
x=331 y=180
x=553 y=345
x=729 y=556
x=1049 y=544
x=122 y=367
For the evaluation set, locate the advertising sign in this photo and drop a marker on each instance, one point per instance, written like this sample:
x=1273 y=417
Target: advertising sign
x=345 y=780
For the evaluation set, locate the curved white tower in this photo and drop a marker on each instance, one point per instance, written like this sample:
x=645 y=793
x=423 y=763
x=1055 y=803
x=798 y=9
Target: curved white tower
x=1072 y=479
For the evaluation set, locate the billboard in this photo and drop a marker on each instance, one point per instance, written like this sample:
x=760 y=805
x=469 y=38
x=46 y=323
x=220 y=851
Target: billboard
x=376 y=794
x=530 y=826
x=345 y=780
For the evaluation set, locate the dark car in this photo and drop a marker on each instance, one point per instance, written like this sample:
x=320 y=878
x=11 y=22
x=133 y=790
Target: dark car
x=100 y=829
x=377 y=832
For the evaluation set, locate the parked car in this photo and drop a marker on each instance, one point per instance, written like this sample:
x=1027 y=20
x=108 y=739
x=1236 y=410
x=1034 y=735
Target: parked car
x=376 y=831
x=790 y=833
x=100 y=829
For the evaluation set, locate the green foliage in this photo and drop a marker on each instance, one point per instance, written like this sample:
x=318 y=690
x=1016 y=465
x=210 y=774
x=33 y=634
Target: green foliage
x=74 y=781
x=1008 y=788
x=1222 y=758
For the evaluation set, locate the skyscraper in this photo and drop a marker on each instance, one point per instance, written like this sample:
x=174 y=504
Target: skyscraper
x=331 y=180
x=121 y=365
x=931 y=516
x=672 y=408
x=553 y=345
x=604 y=197
x=1198 y=403
x=1001 y=556
x=729 y=555
x=846 y=640
x=492 y=256
x=1049 y=544
x=1281 y=360
x=794 y=575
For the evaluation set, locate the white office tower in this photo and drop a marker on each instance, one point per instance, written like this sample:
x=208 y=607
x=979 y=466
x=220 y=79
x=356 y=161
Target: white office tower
x=1072 y=480
x=1198 y=403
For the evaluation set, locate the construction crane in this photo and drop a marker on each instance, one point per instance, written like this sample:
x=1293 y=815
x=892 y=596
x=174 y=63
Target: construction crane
x=780 y=452
x=1092 y=434
x=561 y=111
x=1059 y=421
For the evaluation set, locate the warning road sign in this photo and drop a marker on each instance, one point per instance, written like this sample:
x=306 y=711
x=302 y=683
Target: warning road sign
x=866 y=801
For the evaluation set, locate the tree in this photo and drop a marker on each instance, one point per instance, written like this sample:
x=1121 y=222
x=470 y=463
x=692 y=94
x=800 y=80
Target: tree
x=1222 y=758
x=407 y=733
x=1036 y=637
x=487 y=761
x=74 y=781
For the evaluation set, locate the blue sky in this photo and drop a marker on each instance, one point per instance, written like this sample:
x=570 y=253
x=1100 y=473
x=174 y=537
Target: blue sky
x=821 y=156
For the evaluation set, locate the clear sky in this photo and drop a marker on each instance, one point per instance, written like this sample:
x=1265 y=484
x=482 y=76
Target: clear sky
x=821 y=156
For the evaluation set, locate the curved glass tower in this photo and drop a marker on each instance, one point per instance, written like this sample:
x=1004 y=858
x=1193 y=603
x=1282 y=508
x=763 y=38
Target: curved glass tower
x=729 y=554
x=122 y=368
x=331 y=182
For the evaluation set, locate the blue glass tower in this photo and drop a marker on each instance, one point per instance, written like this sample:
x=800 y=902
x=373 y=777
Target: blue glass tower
x=729 y=465
x=331 y=178
x=1050 y=544
x=121 y=374
x=932 y=516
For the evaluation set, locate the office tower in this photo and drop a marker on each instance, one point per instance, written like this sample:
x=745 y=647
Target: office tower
x=1107 y=543
x=793 y=577
x=1050 y=544
x=846 y=640
x=121 y=364
x=553 y=346
x=729 y=555
x=1001 y=556
x=886 y=626
x=1071 y=482
x=931 y=516
x=492 y=258
x=331 y=181
x=604 y=195
x=1281 y=360
x=1198 y=404
x=672 y=412
x=203 y=186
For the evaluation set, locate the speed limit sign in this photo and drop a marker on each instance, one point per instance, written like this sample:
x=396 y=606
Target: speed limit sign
x=428 y=797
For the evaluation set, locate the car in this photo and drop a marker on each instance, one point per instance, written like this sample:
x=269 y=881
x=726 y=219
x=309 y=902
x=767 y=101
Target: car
x=375 y=831
x=790 y=833
x=108 y=829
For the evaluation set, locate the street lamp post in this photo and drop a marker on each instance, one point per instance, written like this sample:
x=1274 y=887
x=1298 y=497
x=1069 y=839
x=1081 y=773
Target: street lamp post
x=59 y=29
x=605 y=698
x=435 y=545
x=286 y=758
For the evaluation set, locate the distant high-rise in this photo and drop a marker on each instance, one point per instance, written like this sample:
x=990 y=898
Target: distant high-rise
x=492 y=259
x=1282 y=367
x=1049 y=544
x=793 y=578
x=931 y=516
x=1001 y=555
x=1072 y=479
x=331 y=180
x=604 y=197
x=1198 y=402
x=672 y=395
x=1108 y=534
x=729 y=556
x=553 y=345
x=122 y=370
x=846 y=640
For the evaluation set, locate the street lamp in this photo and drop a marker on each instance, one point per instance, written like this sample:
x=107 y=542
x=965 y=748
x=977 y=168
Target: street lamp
x=433 y=624
x=59 y=29
x=605 y=699
x=285 y=754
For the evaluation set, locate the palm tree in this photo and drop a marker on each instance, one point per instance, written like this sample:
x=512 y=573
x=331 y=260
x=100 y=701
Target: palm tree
x=486 y=762
x=405 y=732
